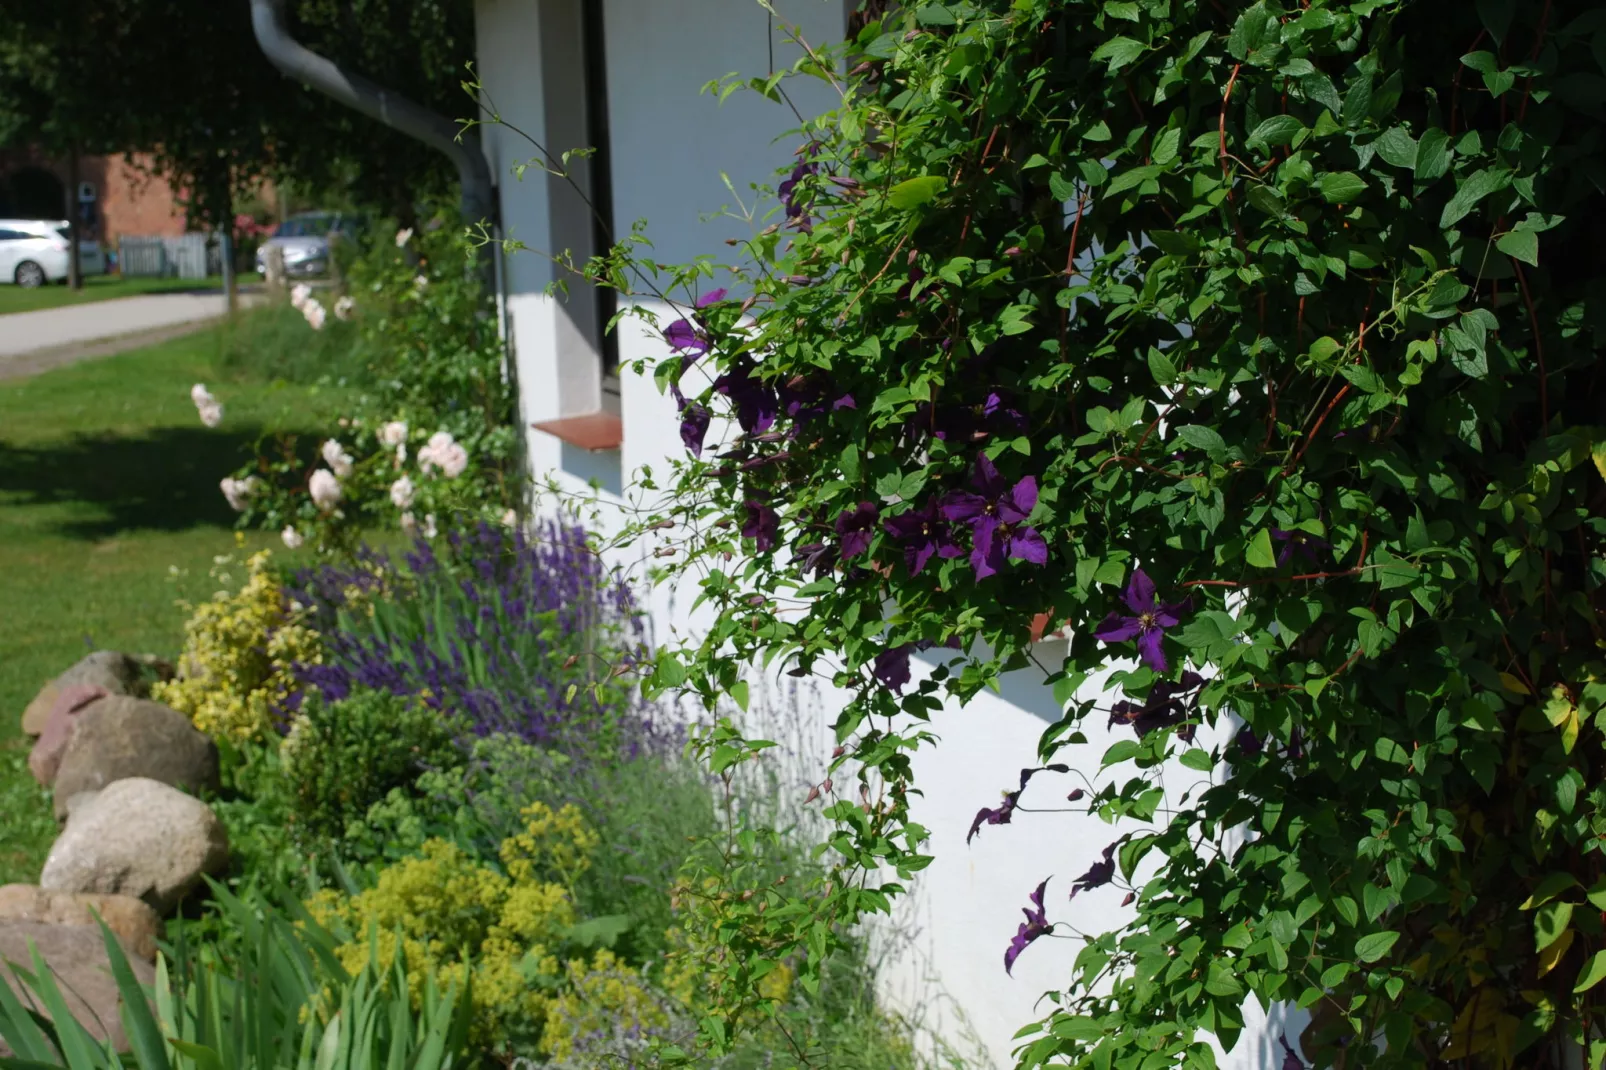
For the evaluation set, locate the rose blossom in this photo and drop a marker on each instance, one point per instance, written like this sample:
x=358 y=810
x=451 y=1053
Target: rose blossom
x=429 y=526
x=211 y=414
x=237 y=491
x=393 y=434
x=444 y=453
x=409 y=523
x=299 y=294
x=510 y=518
x=344 y=307
x=401 y=492
x=337 y=458
x=201 y=395
x=403 y=236
x=292 y=538
x=315 y=313
x=325 y=489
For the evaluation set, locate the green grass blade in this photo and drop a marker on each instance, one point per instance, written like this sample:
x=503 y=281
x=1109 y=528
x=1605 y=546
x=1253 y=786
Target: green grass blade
x=144 y=1036
x=77 y=1046
x=18 y=1027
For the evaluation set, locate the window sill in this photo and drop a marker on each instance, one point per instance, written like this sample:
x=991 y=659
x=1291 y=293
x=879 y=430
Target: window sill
x=594 y=431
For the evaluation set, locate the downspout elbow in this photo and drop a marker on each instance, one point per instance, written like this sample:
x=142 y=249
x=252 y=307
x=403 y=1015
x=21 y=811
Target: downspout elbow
x=397 y=112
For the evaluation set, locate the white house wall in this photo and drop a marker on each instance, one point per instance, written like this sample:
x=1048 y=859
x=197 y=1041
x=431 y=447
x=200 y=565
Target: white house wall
x=670 y=144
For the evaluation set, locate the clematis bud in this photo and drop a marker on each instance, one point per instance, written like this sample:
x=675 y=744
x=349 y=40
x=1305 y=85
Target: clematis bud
x=1075 y=795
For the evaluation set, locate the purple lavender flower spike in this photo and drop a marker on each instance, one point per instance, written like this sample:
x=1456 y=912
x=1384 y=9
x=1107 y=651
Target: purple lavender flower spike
x=1098 y=874
x=1147 y=623
x=1302 y=543
x=923 y=533
x=762 y=524
x=1036 y=925
x=891 y=667
x=857 y=527
x=995 y=513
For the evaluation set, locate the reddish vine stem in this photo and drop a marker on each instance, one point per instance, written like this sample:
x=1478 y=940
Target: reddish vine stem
x=1539 y=345
x=1311 y=437
x=1221 y=125
x=1070 y=263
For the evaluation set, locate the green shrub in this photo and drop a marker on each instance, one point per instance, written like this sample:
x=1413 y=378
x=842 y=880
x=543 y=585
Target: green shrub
x=341 y=758
x=274 y=342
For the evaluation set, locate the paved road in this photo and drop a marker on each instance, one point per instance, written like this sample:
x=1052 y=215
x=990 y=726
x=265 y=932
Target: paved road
x=31 y=342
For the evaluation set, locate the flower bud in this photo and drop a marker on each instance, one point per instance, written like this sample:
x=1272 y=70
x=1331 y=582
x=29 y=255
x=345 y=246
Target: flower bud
x=1075 y=795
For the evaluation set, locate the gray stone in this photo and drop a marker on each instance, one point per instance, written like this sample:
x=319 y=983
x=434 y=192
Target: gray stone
x=138 y=837
x=118 y=737
x=76 y=955
x=116 y=672
x=45 y=758
x=133 y=920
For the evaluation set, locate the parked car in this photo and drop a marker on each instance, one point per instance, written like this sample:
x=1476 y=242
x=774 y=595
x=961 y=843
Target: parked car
x=305 y=239
x=34 y=252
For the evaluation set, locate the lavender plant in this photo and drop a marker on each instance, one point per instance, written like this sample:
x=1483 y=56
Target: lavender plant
x=511 y=633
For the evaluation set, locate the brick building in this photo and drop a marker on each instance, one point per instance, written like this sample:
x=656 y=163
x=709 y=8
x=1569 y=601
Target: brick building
x=126 y=199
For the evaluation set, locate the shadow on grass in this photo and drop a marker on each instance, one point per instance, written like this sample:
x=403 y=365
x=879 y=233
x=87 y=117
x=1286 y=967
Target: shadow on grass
x=164 y=480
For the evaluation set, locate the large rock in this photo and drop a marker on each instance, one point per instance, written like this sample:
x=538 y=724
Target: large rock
x=117 y=673
x=119 y=737
x=138 y=837
x=133 y=920
x=45 y=757
x=76 y=955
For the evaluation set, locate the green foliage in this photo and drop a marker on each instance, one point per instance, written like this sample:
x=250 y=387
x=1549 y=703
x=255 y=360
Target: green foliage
x=1296 y=309
x=203 y=1013
x=272 y=344
x=432 y=364
x=341 y=758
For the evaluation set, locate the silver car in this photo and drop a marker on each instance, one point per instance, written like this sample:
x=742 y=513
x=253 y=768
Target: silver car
x=305 y=239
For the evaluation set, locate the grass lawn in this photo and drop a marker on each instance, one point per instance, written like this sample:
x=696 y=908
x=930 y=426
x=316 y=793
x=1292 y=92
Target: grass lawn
x=109 y=514
x=14 y=298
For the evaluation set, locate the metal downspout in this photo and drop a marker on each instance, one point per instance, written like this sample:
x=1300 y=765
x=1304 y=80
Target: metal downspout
x=397 y=112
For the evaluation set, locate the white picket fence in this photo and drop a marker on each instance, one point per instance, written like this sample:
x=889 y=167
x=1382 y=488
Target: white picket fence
x=192 y=256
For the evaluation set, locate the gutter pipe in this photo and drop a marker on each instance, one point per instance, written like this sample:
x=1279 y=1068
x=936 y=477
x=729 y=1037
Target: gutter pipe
x=397 y=112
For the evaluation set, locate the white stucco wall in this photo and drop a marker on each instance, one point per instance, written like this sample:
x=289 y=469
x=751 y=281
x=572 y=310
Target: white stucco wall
x=670 y=145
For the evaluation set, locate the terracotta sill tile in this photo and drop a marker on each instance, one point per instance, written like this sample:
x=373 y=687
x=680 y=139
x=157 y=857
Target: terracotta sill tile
x=592 y=431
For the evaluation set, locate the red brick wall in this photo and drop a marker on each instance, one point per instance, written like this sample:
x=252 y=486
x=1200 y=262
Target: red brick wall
x=132 y=202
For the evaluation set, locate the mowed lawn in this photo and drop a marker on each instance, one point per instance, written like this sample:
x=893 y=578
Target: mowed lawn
x=110 y=515
x=15 y=298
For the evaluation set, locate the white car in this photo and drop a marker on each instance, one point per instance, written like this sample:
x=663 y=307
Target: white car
x=34 y=252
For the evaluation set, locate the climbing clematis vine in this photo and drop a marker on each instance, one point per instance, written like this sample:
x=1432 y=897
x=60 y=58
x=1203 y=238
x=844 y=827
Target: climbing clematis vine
x=1146 y=623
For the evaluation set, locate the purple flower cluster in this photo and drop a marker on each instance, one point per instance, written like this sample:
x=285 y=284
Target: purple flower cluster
x=495 y=632
x=1169 y=703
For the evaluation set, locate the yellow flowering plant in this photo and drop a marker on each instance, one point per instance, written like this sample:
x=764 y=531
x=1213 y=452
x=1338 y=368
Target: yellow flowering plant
x=240 y=650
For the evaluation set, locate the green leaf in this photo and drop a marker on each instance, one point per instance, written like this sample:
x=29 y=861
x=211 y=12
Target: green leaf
x=1553 y=885
x=1474 y=189
x=1260 y=553
x=1119 y=51
x=1374 y=946
x=1551 y=921
x=1397 y=147
x=1520 y=245
x=1204 y=438
x=1249 y=32
x=913 y=192
x=1121 y=750
x=1278 y=130
x=1160 y=366
x=1592 y=972
x=1432 y=155
x=1341 y=187
x=1198 y=759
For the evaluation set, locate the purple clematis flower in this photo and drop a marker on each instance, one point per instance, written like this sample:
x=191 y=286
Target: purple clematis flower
x=1299 y=542
x=995 y=515
x=1001 y=814
x=1291 y=1060
x=688 y=338
x=857 y=527
x=923 y=533
x=1168 y=704
x=892 y=667
x=694 y=427
x=1035 y=925
x=817 y=558
x=762 y=524
x=1098 y=874
x=754 y=400
x=1249 y=742
x=1147 y=623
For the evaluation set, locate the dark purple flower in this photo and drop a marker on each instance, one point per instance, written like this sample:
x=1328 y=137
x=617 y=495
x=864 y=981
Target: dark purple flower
x=995 y=515
x=857 y=526
x=1168 y=703
x=1299 y=542
x=1249 y=742
x=694 y=427
x=1001 y=814
x=1098 y=874
x=1147 y=623
x=762 y=524
x=791 y=194
x=1035 y=925
x=892 y=667
x=998 y=415
x=817 y=558
x=712 y=297
x=1291 y=1060
x=844 y=402
x=755 y=400
x=923 y=533
x=1296 y=744
x=686 y=338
